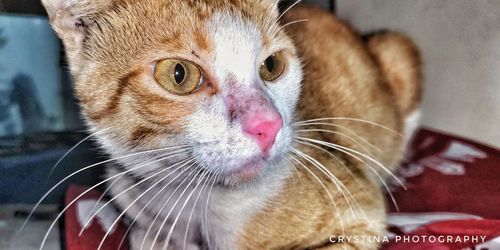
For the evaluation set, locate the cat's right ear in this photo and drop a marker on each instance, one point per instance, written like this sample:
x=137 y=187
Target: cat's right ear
x=70 y=18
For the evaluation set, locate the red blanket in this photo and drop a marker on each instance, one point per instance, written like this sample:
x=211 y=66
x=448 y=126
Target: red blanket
x=452 y=199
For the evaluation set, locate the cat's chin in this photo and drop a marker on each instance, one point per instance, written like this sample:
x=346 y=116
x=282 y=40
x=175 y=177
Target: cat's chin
x=248 y=171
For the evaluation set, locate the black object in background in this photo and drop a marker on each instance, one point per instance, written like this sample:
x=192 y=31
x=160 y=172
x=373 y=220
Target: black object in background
x=29 y=7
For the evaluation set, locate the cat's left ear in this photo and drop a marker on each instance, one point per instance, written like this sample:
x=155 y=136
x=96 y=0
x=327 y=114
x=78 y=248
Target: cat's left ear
x=70 y=18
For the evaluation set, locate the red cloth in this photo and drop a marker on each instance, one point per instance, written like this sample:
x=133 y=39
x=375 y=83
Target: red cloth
x=453 y=190
x=78 y=213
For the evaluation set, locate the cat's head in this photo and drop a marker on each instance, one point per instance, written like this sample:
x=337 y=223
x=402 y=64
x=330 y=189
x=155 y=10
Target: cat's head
x=219 y=79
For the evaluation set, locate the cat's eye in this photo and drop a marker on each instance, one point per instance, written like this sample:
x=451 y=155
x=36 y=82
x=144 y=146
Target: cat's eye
x=273 y=67
x=178 y=76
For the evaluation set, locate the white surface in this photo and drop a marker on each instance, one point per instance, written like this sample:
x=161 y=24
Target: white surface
x=106 y=217
x=31 y=237
x=460 y=43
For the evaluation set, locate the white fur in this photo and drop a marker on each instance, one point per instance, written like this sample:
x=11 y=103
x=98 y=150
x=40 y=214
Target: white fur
x=237 y=59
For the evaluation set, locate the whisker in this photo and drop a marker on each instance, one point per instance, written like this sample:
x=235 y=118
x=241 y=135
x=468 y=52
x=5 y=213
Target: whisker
x=288 y=9
x=205 y=220
x=391 y=195
x=339 y=185
x=173 y=207
x=268 y=23
x=350 y=119
x=326 y=189
x=349 y=171
x=340 y=134
x=88 y=190
x=139 y=197
x=169 y=235
x=344 y=149
x=166 y=203
x=371 y=169
x=173 y=154
x=294 y=168
x=73 y=148
x=346 y=129
x=182 y=163
x=83 y=169
x=149 y=202
x=101 y=197
x=294 y=22
x=276 y=23
x=207 y=180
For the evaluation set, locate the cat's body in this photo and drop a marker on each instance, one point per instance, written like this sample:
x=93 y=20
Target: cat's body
x=243 y=173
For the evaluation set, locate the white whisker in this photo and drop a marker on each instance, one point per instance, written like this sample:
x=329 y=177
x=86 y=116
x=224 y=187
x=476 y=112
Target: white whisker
x=173 y=154
x=86 y=168
x=149 y=202
x=346 y=129
x=166 y=203
x=84 y=193
x=172 y=209
x=339 y=134
x=139 y=197
x=207 y=180
x=344 y=149
x=169 y=235
x=294 y=22
x=73 y=148
x=369 y=166
x=98 y=201
x=349 y=119
x=205 y=220
x=349 y=171
x=294 y=168
x=288 y=9
x=326 y=189
x=338 y=184
x=276 y=23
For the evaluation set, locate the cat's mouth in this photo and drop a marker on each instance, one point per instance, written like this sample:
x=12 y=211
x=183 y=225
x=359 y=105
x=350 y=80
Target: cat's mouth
x=249 y=170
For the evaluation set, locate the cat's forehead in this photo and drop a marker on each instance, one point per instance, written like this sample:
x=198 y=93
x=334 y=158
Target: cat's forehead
x=131 y=28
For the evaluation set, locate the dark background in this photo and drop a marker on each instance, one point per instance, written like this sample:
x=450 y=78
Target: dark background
x=32 y=7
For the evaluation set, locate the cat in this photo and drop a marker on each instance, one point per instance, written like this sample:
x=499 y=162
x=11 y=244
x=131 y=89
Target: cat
x=234 y=126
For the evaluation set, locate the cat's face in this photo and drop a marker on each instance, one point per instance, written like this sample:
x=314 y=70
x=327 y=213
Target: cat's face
x=218 y=77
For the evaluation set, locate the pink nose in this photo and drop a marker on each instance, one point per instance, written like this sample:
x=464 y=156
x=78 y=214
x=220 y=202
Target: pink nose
x=263 y=128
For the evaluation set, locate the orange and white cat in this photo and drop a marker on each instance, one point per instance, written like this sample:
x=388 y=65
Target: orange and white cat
x=232 y=126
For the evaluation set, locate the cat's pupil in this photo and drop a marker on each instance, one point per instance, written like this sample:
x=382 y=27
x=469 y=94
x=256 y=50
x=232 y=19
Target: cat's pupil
x=179 y=73
x=270 y=64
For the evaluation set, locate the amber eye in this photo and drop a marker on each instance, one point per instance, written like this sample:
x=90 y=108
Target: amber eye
x=273 y=67
x=178 y=76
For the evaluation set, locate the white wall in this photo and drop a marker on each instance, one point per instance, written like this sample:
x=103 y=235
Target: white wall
x=460 y=44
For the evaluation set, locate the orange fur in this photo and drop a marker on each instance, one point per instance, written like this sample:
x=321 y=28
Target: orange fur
x=399 y=60
x=341 y=80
